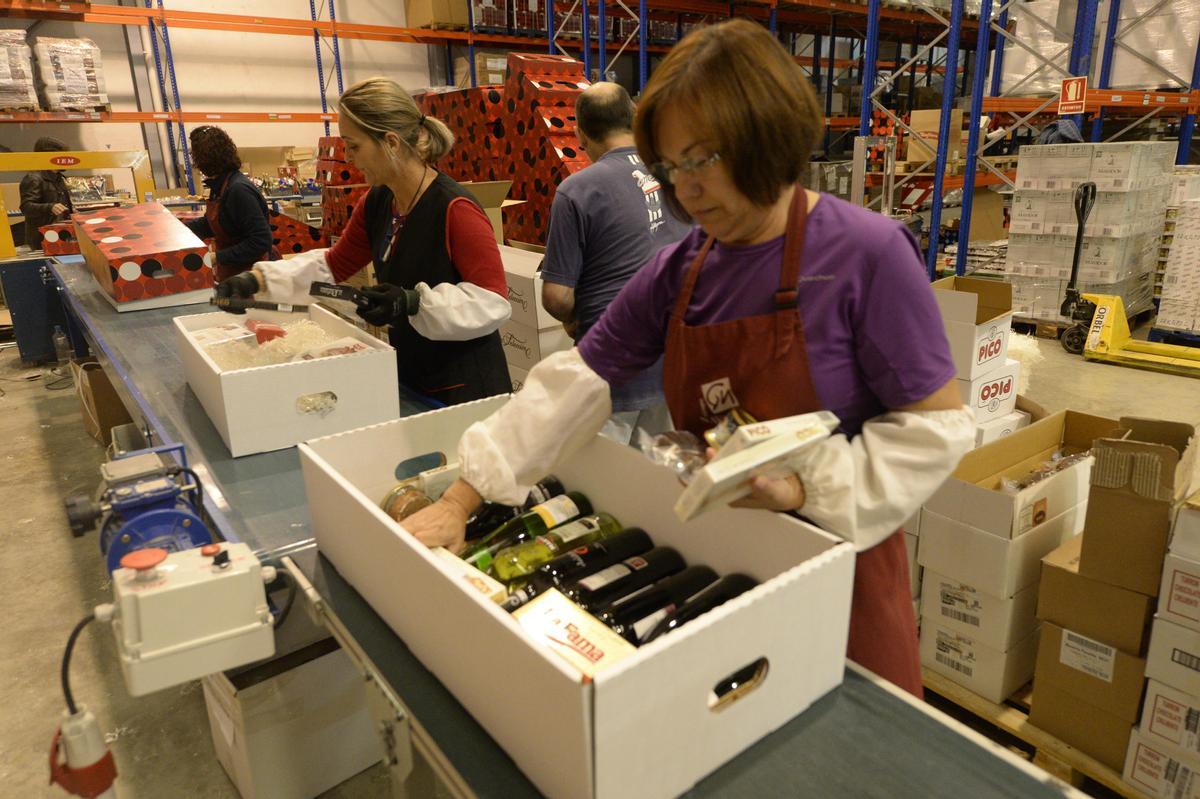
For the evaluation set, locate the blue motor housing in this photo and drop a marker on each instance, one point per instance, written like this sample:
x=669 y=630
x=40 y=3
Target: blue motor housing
x=172 y=529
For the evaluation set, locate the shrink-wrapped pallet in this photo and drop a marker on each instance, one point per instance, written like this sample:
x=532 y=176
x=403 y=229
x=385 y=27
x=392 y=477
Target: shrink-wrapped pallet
x=17 y=92
x=70 y=74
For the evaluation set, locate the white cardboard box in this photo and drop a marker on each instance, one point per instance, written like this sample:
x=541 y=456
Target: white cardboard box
x=913 y=525
x=974 y=493
x=987 y=432
x=524 y=346
x=1169 y=715
x=525 y=288
x=1174 y=656
x=1159 y=770
x=997 y=622
x=977 y=318
x=1185 y=532
x=993 y=394
x=1179 y=595
x=997 y=566
x=518 y=377
x=260 y=409
x=296 y=734
x=964 y=659
x=621 y=734
x=914 y=568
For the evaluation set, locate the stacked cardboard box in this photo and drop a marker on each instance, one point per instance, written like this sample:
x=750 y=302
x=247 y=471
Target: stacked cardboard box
x=927 y=127
x=977 y=318
x=1185 y=187
x=912 y=542
x=343 y=185
x=531 y=333
x=490 y=67
x=1180 y=305
x=983 y=535
x=1097 y=591
x=1121 y=242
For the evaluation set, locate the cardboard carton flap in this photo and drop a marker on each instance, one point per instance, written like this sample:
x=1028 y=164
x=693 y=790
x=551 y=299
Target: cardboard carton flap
x=970 y=299
x=1153 y=459
x=490 y=194
x=1066 y=557
x=1016 y=454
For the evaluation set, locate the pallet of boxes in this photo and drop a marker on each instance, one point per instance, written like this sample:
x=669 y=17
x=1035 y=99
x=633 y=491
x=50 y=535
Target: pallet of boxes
x=531 y=333
x=1098 y=593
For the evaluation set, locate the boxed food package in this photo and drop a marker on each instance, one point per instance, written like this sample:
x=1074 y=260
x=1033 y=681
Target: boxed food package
x=1185 y=533
x=1160 y=770
x=1174 y=657
x=987 y=432
x=992 y=673
x=59 y=239
x=1179 y=595
x=265 y=408
x=997 y=622
x=142 y=256
x=524 y=346
x=1170 y=715
x=1138 y=482
x=1093 y=671
x=926 y=125
x=1108 y=613
x=977 y=318
x=1095 y=732
x=976 y=495
x=436 y=14
x=620 y=733
x=995 y=565
x=993 y=394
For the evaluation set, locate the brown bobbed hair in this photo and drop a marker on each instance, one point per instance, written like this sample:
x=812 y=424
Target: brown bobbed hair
x=213 y=152
x=746 y=96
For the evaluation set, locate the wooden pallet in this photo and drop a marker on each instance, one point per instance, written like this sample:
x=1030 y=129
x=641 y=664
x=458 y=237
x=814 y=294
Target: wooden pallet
x=444 y=26
x=81 y=109
x=1042 y=328
x=1049 y=753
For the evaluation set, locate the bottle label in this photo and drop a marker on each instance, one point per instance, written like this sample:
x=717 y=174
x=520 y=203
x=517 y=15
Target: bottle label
x=556 y=511
x=604 y=577
x=575 y=530
x=643 y=626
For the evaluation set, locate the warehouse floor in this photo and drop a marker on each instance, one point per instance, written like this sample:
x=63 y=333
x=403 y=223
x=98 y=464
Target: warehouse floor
x=162 y=743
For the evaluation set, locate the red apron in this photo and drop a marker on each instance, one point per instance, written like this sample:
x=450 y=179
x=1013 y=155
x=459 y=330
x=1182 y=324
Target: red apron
x=212 y=212
x=760 y=363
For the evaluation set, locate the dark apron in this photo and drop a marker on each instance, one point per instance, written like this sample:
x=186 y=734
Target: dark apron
x=760 y=363
x=212 y=212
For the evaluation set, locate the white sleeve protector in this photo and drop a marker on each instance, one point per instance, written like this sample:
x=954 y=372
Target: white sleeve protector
x=288 y=280
x=459 y=312
x=864 y=489
x=561 y=407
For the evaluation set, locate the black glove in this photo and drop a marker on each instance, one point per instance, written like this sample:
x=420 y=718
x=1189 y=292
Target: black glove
x=243 y=285
x=388 y=304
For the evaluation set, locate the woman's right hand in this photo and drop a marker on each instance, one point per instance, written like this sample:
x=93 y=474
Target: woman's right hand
x=444 y=523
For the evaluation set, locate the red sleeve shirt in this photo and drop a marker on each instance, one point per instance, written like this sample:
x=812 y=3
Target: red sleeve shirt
x=470 y=243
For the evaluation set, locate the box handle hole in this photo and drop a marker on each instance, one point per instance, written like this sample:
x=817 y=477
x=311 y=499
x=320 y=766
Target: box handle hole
x=740 y=683
x=320 y=403
x=411 y=467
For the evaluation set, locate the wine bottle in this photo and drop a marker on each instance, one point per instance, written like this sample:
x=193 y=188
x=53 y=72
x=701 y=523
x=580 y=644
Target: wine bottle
x=597 y=591
x=491 y=515
x=579 y=563
x=721 y=591
x=519 y=561
x=528 y=525
x=636 y=616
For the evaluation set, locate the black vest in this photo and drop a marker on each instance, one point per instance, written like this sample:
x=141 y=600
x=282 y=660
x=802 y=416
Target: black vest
x=448 y=371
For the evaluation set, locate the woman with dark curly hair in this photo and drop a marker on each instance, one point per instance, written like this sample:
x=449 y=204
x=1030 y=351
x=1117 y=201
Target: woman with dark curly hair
x=236 y=213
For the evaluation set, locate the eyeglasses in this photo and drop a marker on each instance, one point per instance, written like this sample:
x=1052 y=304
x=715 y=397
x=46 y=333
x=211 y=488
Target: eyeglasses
x=666 y=173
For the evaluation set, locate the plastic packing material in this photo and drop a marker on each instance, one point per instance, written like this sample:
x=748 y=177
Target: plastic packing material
x=235 y=346
x=70 y=73
x=17 y=92
x=1058 y=461
x=681 y=451
x=1165 y=34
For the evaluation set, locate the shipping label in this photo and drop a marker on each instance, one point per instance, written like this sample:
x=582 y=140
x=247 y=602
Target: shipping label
x=1184 y=597
x=1175 y=722
x=960 y=603
x=1161 y=775
x=1091 y=657
x=956 y=653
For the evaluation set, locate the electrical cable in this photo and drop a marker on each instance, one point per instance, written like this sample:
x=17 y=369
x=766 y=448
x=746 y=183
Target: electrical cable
x=291 y=599
x=66 y=662
x=198 y=500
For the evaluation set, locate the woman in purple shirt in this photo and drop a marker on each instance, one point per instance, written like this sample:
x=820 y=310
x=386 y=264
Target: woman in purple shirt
x=781 y=301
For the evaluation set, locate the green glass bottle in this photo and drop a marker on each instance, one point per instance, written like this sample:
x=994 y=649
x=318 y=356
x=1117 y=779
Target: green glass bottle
x=522 y=560
x=528 y=525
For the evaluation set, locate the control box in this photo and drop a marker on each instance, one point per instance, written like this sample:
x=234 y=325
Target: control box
x=184 y=615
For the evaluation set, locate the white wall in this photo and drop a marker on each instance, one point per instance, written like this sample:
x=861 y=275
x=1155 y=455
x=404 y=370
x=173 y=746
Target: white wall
x=224 y=71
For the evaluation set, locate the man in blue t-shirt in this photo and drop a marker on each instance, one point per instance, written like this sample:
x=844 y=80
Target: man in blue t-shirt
x=605 y=223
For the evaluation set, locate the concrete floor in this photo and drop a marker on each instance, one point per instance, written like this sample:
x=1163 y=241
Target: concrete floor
x=162 y=742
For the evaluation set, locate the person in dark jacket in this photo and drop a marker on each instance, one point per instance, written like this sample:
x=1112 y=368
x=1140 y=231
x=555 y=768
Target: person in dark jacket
x=236 y=214
x=44 y=195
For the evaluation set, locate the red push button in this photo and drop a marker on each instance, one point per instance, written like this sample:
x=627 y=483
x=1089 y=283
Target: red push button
x=143 y=559
x=208 y=550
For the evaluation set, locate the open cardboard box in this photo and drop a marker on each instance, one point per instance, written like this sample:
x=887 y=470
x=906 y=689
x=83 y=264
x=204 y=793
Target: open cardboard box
x=493 y=196
x=977 y=317
x=525 y=288
x=259 y=409
x=645 y=726
x=974 y=494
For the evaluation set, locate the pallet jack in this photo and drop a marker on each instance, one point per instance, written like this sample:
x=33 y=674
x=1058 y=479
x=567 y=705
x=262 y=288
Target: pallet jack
x=1101 y=330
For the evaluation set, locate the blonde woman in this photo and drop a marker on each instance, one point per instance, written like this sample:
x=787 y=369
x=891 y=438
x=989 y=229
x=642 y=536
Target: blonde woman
x=441 y=289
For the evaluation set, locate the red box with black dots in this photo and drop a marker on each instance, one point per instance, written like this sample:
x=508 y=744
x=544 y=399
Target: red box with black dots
x=142 y=251
x=337 y=204
x=292 y=236
x=331 y=148
x=337 y=173
x=59 y=239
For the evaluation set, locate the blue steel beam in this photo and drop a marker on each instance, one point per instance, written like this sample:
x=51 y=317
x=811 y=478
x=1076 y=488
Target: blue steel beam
x=587 y=38
x=943 y=147
x=831 y=79
x=162 y=90
x=1187 y=125
x=471 y=39
x=337 y=52
x=816 y=62
x=643 y=56
x=1106 y=59
x=1081 y=44
x=870 y=67
x=312 y=12
x=968 y=190
x=602 y=37
x=183 y=140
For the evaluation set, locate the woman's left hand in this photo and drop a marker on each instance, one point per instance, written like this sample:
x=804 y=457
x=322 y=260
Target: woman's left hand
x=774 y=493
